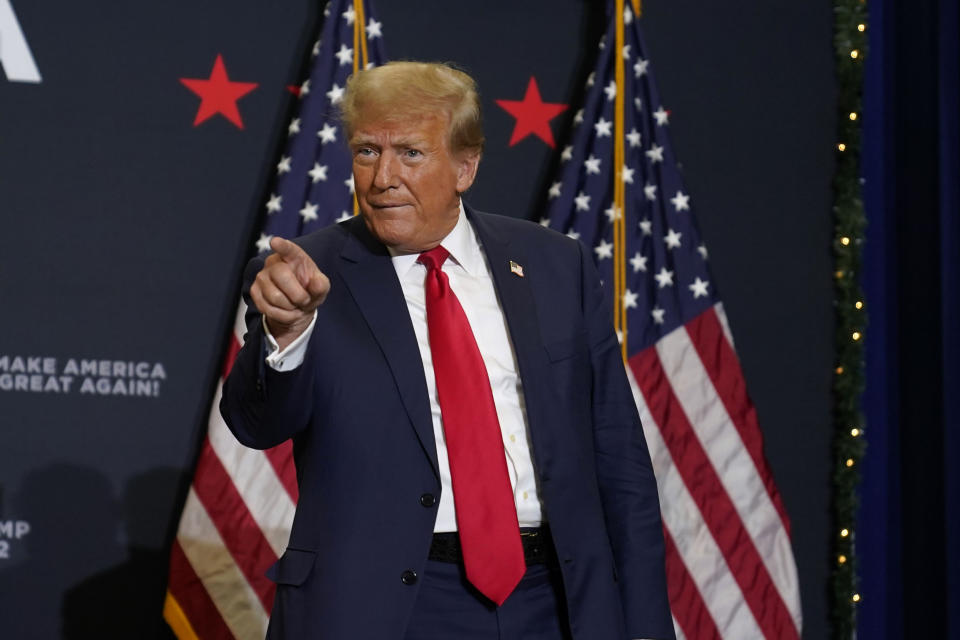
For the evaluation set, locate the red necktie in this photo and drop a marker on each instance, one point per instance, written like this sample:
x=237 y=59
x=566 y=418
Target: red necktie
x=486 y=514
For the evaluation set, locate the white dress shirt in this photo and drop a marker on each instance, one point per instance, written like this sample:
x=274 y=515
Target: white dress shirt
x=470 y=279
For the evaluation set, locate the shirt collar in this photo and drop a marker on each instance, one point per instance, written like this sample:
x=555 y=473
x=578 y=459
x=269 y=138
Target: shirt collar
x=461 y=242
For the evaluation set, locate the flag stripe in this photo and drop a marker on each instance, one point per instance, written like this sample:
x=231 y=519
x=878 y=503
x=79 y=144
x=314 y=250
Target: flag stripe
x=723 y=367
x=253 y=477
x=693 y=541
x=236 y=602
x=713 y=501
x=685 y=599
x=240 y=533
x=194 y=600
x=724 y=447
x=281 y=459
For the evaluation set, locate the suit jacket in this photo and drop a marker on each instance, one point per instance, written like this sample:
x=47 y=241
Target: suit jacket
x=359 y=415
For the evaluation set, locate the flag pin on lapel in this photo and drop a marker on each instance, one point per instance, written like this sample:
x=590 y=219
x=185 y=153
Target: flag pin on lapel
x=516 y=269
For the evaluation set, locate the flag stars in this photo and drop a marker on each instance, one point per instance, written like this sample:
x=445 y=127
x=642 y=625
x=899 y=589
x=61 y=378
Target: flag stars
x=627 y=15
x=309 y=212
x=591 y=78
x=626 y=52
x=650 y=191
x=628 y=174
x=275 y=203
x=638 y=104
x=554 y=191
x=646 y=227
x=661 y=116
x=318 y=173
x=344 y=216
x=374 y=29
x=634 y=137
x=566 y=154
x=602 y=127
x=640 y=68
x=327 y=134
x=304 y=88
x=335 y=94
x=574 y=235
x=345 y=55
x=294 y=127
x=604 y=250
x=316 y=49
x=699 y=288
x=350 y=15
x=629 y=299
x=263 y=243
x=578 y=117
x=582 y=201
x=613 y=213
x=545 y=222
x=638 y=262
x=702 y=250
x=284 y=165
x=655 y=153
x=681 y=201
x=657 y=314
x=592 y=164
x=349 y=183
x=611 y=90
x=664 y=277
x=672 y=239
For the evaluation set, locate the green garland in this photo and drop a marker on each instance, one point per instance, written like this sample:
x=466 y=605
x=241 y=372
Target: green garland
x=850 y=42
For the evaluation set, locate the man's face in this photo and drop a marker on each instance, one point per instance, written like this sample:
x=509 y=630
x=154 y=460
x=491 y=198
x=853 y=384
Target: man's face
x=407 y=180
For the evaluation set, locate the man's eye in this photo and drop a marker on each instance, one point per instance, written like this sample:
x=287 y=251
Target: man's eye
x=413 y=153
x=365 y=151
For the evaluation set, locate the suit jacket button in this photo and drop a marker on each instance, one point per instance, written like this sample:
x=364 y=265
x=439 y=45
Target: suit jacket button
x=408 y=577
x=428 y=500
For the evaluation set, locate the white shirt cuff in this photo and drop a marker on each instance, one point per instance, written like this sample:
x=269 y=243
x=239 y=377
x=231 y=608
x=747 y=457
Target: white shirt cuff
x=291 y=357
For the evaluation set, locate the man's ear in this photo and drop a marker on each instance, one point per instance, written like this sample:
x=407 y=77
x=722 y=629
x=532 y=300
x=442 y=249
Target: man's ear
x=467 y=165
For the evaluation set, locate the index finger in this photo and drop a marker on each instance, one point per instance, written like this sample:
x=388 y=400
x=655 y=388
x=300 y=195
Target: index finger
x=289 y=251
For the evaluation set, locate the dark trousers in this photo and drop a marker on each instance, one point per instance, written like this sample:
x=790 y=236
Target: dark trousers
x=450 y=608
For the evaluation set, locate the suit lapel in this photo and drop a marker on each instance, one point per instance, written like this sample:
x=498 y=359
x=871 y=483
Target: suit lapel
x=516 y=299
x=369 y=274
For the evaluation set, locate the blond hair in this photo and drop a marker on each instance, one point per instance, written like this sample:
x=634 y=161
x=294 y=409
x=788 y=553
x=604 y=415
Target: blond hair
x=403 y=89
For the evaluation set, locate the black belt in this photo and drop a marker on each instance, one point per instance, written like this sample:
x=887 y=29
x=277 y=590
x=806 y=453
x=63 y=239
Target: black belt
x=537 y=546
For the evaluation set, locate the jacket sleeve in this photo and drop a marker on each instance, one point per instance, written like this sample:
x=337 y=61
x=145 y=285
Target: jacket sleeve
x=261 y=406
x=625 y=476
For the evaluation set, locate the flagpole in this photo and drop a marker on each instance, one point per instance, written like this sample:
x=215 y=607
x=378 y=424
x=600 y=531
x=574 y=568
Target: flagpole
x=619 y=192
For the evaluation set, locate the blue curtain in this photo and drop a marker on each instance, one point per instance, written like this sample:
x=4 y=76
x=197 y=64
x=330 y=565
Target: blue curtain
x=908 y=534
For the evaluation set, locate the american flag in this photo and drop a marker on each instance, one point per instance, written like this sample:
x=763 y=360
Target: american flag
x=730 y=567
x=238 y=513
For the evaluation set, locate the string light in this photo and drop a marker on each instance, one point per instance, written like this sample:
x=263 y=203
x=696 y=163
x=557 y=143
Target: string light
x=844 y=533
x=839 y=371
x=855 y=432
x=841 y=559
x=844 y=240
x=856 y=597
x=854 y=54
x=853 y=115
x=841 y=147
x=858 y=304
x=861 y=27
x=855 y=336
x=849 y=462
x=839 y=274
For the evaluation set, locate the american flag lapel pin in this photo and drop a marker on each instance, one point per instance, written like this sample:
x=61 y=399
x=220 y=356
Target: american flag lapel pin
x=516 y=269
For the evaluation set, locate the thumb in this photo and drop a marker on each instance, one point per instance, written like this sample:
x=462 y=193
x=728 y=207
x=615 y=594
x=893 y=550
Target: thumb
x=318 y=285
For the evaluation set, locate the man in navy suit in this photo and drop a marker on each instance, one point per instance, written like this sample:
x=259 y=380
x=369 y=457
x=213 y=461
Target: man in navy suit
x=401 y=531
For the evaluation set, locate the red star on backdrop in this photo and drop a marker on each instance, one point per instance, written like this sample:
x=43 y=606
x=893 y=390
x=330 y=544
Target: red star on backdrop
x=533 y=115
x=218 y=94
